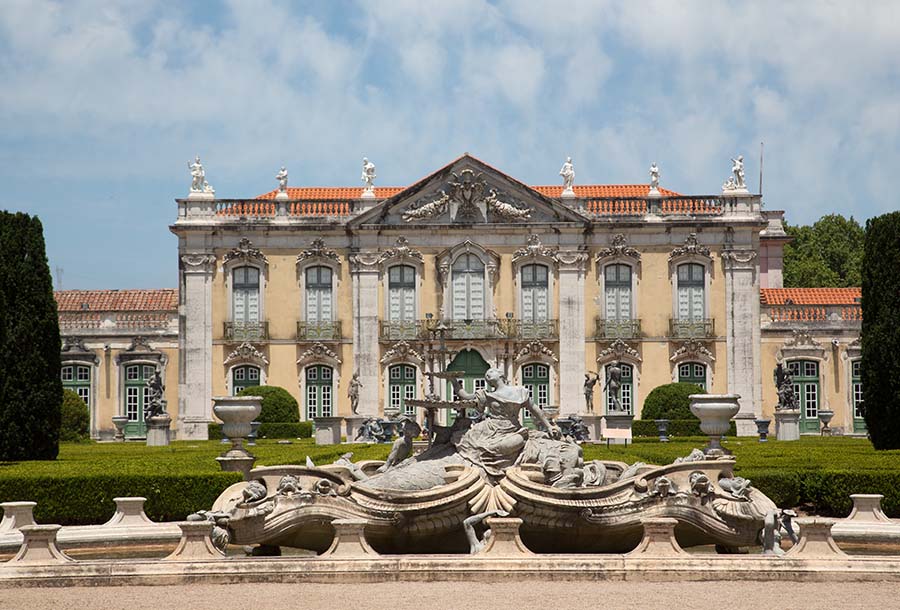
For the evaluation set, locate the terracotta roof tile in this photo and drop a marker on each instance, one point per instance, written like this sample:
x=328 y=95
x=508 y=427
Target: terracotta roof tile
x=810 y=296
x=164 y=299
x=333 y=192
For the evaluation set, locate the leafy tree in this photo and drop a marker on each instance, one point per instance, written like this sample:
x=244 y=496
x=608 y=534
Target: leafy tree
x=30 y=387
x=278 y=406
x=826 y=254
x=881 y=330
x=671 y=401
x=76 y=420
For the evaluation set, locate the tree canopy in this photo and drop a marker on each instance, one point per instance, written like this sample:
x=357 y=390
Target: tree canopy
x=827 y=254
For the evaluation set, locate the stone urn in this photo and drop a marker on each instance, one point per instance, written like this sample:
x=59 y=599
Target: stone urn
x=119 y=422
x=825 y=416
x=237 y=414
x=715 y=412
x=662 y=426
x=762 y=428
x=254 y=431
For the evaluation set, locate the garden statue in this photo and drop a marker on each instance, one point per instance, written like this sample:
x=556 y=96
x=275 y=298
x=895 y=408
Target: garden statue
x=353 y=392
x=368 y=176
x=568 y=175
x=282 y=177
x=476 y=545
x=156 y=405
x=402 y=447
x=613 y=385
x=370 y=431
x=590 y=380
x=784 y=386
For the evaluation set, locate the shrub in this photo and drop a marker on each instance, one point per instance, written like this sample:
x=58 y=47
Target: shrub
x=76 y=420
x=30 y=387
x=277 y=406
x=677 y=428
x=881 y=330
x=301 y=429
x=671 y=402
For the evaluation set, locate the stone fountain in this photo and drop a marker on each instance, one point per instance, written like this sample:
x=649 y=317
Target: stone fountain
x=237 y=414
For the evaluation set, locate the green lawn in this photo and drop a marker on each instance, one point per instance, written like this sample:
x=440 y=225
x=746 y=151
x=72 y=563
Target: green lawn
x=818 y=473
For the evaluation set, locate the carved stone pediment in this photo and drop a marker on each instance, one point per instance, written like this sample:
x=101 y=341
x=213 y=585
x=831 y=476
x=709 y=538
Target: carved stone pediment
x=247 y=352
x=535 y=350
x=801 y=344
x=692 y=350
x=691 y=247
x=402 y=351
x=534 y=250
x=140 y=349
x=401 y=252
x=74 y=349
x=245 y=252
x=318 y=251
x=618 y=350
x=618 y=248
x=319 y=352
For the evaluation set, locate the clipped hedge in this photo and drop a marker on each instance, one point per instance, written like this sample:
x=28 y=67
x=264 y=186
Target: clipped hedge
x=88 y=499
x=277 y=405
x=677 y=428
x=670 y=401
x=301 y=429
x=76 y=420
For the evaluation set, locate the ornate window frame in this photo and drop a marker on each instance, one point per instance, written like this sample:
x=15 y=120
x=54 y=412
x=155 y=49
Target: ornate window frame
x=801 y=345
x=245 y=354
x=75 y=353
x=620 y=351
x=318 y=254
x=692 y=251
x=320 y=354
x=245 y=255
x=400 y=254
x=401 y=352
x=139 y=352
x=491 y=261
x=534 y=252
x=852 y=353
x=694 y=350
x=618 y=253
x=536 y=352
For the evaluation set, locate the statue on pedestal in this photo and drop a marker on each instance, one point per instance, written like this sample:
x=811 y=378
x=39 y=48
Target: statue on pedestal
x=282 y=177
x=784 y=385
x=353 y=392
x=568 y=175
x=613 y=385
x=155 y=406
x=654 y=178
x=198 y=177
x=368 y=176
x=736 y=182
x=590 y=380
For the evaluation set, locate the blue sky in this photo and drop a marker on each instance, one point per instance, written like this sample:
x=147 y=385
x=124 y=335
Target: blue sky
x=104 y=102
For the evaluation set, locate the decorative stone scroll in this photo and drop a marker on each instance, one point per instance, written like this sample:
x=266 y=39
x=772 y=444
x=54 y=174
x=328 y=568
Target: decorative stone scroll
x=74 y=349
x=802 y=344
x=504 y=210
x=619 y=248
x=400 y=252
x=318 y=250
x=739 y=259
x=618 y=350
x=465 y=199
x=401 y=350
x=245 y=252
x=198 y=262
x=246 y=352
x=691 y=247
x=533 y=250
x=535 y=350
x=319 y=352
x=140 y=349
x=692 y=349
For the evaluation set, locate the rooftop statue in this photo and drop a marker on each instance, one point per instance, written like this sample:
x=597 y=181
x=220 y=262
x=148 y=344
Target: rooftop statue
x=282 y=177
x=568 y=175
x=368 y=175
x=198 y=177
x=654 y=178
x=736 y=182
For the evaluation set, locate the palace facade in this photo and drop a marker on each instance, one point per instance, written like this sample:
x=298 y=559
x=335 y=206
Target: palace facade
x=468 y=269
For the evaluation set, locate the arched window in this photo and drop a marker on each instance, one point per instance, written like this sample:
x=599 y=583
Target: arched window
x=617 y=285
x=244 y=376
x=319 y=391
x=136 y=397
x=535 y=298
x=468 y=288
x=859 y=422
x=77 y=377
x=536 y=377
x=319 y=301
x=692 y=372
x=402 y=386
x=402 y=293
x=626 y=388
x=245 y=295
x=805 y=374
x=691 y=292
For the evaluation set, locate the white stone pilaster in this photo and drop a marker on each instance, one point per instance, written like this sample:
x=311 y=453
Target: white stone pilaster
x=743 y=335
x=365 y=271
x=572 y=266
x=195 y=342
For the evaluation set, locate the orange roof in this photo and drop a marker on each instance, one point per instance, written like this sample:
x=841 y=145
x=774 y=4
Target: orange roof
x=383 y=192
x=333 y=192
x=810 y=296
x=163 y=299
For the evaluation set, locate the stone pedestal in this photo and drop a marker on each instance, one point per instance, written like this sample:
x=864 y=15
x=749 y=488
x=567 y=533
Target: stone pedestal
x=129 y=511
x=350 y=540
x=39 y=546
x=328 y=430
x=659 y=539
x=353 y=424
x=15 y=515
x=787 y=425
x=158 y=430
x=505 y=540
x=119 y=422
x=195 y=543
x=815 y=540
x=594 y=425
x=242 y=463
x=616 y=428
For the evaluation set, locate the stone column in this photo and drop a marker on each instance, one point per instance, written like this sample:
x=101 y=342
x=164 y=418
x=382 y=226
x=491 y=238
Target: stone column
x=743 y=335
x=195 y=346
x=572 y=265
x=365 y=272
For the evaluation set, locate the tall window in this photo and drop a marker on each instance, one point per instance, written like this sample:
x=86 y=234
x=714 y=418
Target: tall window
x=617 y=284
x=136 y=397
x=859 y=423
x=806 y=388
x=401 y=387
x=242 y=377
x=319 y=391
x=77 y=377
x=319 y=302
x=626 y=389
x=473 y=367
x=468 y=288
x=245 y=294
x=536 y=377
x=535 y=299
x=402 y=293
x=692 y=372
x=691 y=286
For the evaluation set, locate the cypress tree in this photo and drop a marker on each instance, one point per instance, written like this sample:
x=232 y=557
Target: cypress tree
x=881 y=330
x=30 y=387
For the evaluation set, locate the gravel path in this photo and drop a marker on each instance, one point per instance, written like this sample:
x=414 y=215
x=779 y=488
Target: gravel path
x=464 y=596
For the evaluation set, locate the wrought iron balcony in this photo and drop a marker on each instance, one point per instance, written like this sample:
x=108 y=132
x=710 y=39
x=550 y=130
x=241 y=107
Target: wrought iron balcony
x=394 y=330
x=692 y=329
x=617 y=329
x=531 y=329
x=319 y=331
x=506 y=328
x=246 y=331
